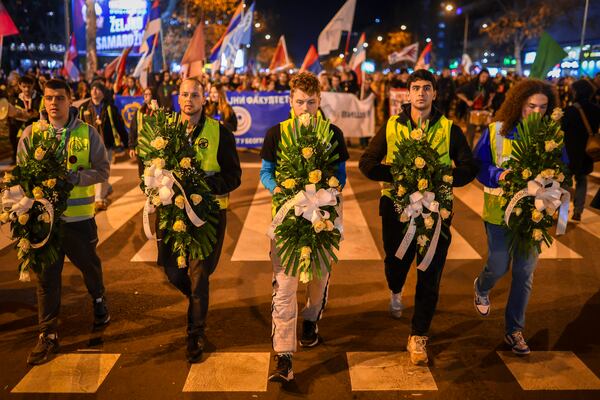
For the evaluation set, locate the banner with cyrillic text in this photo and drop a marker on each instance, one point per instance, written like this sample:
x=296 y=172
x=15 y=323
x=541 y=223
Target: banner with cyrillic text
x=356 y=118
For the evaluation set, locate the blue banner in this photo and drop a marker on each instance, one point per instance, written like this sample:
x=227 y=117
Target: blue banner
x=256 y=113
x=127 y=106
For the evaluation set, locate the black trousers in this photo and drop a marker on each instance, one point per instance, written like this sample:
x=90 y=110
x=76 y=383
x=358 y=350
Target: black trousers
x=396 y=269
x=192 y=281
x=79 y=244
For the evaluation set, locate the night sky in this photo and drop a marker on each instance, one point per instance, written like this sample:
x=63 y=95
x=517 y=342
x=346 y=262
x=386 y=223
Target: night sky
x=301 y=22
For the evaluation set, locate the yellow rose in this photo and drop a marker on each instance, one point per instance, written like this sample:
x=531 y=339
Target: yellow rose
x=45 y=217
x=39 y=154
x=185 y=163
x=428 y=222
x=333 y=182
x=445 y=214
x=305 y=119
x=4 y=217
x=419 y=162
x=156 y=201
x=50 y=183
x=179 y=226
x=23 y=218
x=330 y=226
x=37 y=192
x=550 y=145
x=158 y=163
x=159 y=143
x=417 y=134
x=557 y=114
x=536 y=216
x=518 y=211
x=422 y=240
x=537 y=234
x=448 y=179
x=180 y=202
x=305 y=276
x=314 y=176
x=423 y=183
x=547 y=173
x=307 y=152
x=401 y=191
x=7 y=177
x=319 y=226
x=196 y=199
x=305 y=252
x=181 y=262
x=24 y=244
x=400 y=177
x=289 y=183
x=526 y=173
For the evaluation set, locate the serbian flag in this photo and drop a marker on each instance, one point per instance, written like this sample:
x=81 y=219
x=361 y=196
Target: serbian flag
x=280 y=58
x=425 y=58
x=359 y=57
x=311 y=61
x=117 y=65
x=215 y=52
x=193 y=59
x=149 y=43
x=70 y=70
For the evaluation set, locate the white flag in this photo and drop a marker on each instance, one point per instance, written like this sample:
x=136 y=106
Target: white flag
x=409 y=53
x=356 y=118
x=330 y=37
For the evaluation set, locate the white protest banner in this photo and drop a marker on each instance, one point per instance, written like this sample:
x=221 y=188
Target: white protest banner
x=356 y=118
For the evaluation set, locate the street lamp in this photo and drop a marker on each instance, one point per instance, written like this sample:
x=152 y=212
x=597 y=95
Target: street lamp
x=267 y=36
x=403 y=27
x=457 y=11
x=379 y=38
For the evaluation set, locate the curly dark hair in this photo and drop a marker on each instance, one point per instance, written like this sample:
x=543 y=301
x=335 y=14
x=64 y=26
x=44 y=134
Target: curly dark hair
x=307 y=82
x=511 y=110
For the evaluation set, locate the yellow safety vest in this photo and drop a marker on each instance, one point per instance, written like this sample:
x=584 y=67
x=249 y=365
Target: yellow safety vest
x=501 y=148
x=81 y=199
x=396 y=132
x=206 y=146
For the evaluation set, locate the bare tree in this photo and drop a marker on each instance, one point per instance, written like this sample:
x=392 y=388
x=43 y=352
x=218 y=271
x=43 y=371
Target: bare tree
x=91 y=56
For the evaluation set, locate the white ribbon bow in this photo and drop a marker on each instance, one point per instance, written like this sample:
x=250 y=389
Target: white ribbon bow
x=311 y=202
x=548 y=196
x=419 y=202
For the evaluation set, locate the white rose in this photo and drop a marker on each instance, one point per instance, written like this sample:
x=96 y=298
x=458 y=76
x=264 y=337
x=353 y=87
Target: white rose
x=445 y=214
x=537 y=234
x=557 y=114
x=428 y=222
x=305 y=276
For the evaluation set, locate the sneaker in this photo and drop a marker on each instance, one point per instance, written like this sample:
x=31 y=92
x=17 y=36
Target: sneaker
x=517 y=342
x=576 y=216
x=101 y=315
x=482 y=303
x=310 y=334
x=195 y=348
x=283 y=372
x=417 y=349
x=44 y=350
x=396 y=306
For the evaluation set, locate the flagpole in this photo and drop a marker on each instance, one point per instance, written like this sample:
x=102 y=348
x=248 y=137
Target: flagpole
x=585 y=14
x=67 y=25
x=162 y=47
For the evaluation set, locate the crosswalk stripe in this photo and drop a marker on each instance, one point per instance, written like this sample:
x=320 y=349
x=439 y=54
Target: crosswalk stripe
x=119 y=212
x=460 y=249
x=253 y=245
x=472 y=196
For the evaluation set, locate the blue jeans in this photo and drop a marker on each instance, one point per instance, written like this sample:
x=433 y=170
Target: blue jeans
x=497 y=265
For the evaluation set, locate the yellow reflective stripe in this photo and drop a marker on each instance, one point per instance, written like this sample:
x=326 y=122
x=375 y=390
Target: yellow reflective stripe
x=223 y=201
x=87 y=210
x=492 y=208
x=112 y=126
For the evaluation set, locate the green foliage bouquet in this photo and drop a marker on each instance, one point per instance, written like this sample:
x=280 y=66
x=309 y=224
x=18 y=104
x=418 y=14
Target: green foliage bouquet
x=175 y=184
x=421 y=191
x=34 y=197
x=532 y=188
x=306 y=238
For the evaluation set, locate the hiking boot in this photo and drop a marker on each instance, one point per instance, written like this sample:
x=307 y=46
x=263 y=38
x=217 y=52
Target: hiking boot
x=417 y=349
x=310 y=334
x=195 y=348
x=482 y=303
x=396 y=306
x=44 y=350
x=283 y=372
x=517 y=343
x=101 y=315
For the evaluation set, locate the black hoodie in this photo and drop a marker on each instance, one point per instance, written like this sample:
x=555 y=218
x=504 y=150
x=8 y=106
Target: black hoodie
x=464 y=170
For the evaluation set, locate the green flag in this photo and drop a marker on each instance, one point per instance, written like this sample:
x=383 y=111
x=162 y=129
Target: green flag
x=548 y=54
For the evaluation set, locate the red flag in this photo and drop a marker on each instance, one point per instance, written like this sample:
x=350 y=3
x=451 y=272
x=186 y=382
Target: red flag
x=111 y=67
x=7 y=26
x=280 y=58
x=359 y=57
x=193 y=58
x=424 y=59
x=311 y=61
x=122 y=65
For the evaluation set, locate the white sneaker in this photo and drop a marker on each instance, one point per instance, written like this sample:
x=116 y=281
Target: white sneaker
x=482 y=303
x=417 y=348
x=396 y=306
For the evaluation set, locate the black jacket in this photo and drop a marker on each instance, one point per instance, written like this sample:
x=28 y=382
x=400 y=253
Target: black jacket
x=87 y=113
x=464 y=170
x=576 y=136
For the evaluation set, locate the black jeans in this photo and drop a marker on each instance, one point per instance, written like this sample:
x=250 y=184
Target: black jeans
x=79 y=244
x=192 y=281
x=396 y=269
